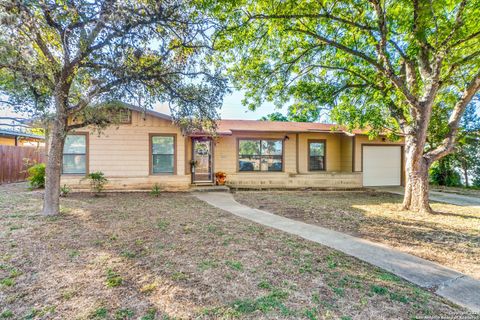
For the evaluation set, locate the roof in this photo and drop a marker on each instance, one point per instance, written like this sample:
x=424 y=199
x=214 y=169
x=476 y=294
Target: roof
x=12 y=133
x=226 y=127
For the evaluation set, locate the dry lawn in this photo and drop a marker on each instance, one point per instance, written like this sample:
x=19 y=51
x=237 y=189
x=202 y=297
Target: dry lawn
x=450 y=237
x=135 y=256
x=475 y=192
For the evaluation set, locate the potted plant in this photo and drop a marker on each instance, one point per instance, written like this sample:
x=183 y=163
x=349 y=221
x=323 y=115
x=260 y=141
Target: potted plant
x=220 y=178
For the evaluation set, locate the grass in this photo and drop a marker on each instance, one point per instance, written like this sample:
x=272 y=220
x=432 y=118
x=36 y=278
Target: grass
x=134 y=256
x=471 y=191
x=113 y=279
x=450 y=236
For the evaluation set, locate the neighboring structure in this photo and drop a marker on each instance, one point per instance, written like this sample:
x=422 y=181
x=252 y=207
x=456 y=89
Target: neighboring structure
x=147 y=148
x=16 y=138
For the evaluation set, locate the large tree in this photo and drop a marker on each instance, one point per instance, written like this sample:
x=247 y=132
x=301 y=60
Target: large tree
x=377 y=64
x=296 y=113
x=466 y=156
x=61 y=58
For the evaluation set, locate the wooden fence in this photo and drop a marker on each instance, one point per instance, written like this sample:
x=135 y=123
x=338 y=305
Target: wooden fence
x=13 y=161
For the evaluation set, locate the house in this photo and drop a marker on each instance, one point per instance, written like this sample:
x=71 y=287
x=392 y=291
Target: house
x=146 y=148
x=17 y=138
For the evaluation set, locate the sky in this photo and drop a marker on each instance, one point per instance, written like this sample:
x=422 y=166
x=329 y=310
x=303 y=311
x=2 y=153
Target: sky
x=232 y=109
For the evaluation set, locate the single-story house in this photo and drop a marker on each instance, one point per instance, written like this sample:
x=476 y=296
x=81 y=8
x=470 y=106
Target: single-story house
x=17 y=138
x=147 y=148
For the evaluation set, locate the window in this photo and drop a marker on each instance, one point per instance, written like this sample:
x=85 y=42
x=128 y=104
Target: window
x=125 y=116
x=260 y=155
x=163 y=154
x=75 y=154
x=316 y=155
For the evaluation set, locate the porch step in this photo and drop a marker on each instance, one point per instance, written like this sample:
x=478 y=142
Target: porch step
x=209 y=188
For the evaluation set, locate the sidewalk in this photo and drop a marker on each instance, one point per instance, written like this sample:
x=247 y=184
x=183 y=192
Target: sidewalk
x=452 y=285
x=445 y=197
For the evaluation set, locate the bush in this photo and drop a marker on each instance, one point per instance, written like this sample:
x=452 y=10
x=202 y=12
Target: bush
x=443 y=174
x=155 y=190
x=97 y=181
x=36 y=175
x=64 y=191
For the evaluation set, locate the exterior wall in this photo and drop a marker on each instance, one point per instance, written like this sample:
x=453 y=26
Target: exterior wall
x=346 y=160
x=333 y=151
x=362 y=140
x=294 y=175
x=225 y=157
x=123 y=153
x=7 y=141
x=225 y=152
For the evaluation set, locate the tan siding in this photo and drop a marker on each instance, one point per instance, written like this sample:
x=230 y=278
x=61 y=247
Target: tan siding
x=360 y=140
x=225 y=157
x=333 y=151
x=123 y=152
x=226 y=152
x=346 y=153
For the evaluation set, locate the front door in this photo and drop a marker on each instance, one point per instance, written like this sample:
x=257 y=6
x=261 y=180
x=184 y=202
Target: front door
x=202 y=160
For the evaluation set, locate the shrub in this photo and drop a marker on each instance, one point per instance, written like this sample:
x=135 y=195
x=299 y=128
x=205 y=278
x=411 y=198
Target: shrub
x=443 y=173
x=36 y=175
x=64 y=191
x=155 y=190
x=97 y=181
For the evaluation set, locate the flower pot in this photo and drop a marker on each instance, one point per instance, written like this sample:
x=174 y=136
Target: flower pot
x=221 y=181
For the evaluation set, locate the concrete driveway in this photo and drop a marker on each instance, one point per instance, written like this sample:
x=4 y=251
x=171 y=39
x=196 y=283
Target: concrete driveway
x=451 y=198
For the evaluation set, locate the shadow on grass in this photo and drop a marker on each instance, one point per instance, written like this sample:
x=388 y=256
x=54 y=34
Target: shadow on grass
x=447 y=237
x=464 y=216
x=155 y=246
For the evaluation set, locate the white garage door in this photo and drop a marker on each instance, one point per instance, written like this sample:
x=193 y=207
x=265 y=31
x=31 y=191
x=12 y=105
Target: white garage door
x=381 y=165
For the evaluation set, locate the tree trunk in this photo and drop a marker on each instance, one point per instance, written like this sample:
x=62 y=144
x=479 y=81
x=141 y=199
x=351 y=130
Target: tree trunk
x=416 y=185
x=53 y=170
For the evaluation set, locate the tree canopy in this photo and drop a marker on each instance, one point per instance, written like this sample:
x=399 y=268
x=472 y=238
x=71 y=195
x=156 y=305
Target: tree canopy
x=385 y=65
x=296 y=113
x=369 y=62
x=68 y=59
x=97 y=51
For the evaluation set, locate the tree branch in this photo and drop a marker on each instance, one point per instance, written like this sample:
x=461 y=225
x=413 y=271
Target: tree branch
x=458 y=23
x=388 y=73
x=468 y=38
x=311 y=16
x=453 y=122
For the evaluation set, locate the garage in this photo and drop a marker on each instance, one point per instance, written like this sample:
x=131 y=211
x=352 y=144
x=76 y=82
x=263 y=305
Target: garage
x=382 y=165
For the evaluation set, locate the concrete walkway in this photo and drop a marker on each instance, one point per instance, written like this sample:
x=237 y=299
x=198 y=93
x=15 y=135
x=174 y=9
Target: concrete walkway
x=445 y=197
x=454 y=286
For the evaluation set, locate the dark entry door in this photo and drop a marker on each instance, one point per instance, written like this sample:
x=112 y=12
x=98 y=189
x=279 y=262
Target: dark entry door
x=202 y=157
